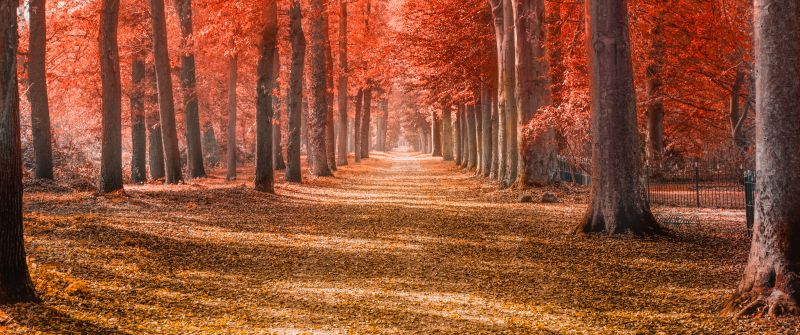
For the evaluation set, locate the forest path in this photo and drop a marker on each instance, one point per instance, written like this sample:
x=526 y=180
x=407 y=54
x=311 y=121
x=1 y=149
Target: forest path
x=400 y=243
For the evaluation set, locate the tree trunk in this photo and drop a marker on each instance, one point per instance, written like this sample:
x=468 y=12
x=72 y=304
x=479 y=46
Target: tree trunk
x=155 y=144
x=465 y=150
x=436 y=124
x=770 y=285
x=330 y=125
x=210 y=145
x=138 y=128
x=618 y=203
x=509 y=80
x=494 y=171
x=233 y=78
x=15 y=281
x=655 y=94
x=267 y=77
x=189 y=89
x=318 y=157
x=366 y=123
x=459 y=150
x=293 y=169
x=111 y=157
x=357 y=125
x=169 y=132
x=277 y=135
x=447 y=132
x=385 y=124
x=343 y=68
x=37 y=93
x=498 y=126
x=472 y=144
x=486 y=137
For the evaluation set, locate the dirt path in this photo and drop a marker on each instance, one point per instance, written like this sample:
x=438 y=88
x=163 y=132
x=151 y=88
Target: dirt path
x=401 y=243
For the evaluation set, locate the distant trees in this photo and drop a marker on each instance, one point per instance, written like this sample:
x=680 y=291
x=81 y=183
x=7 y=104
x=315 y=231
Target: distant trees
x=15 y=282
x=111 y=157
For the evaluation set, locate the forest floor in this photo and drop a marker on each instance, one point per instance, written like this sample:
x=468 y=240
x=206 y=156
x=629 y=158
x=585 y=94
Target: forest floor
x=401 y=243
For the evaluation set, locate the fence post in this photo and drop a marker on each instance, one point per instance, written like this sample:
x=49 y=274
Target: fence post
x=749 y=199
x=697 y=183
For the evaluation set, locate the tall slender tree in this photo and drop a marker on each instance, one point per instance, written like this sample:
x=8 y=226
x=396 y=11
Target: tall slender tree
x=277 y=123
x=357 y=124
x=447 y=131
x=169 y=132
x=330 y=125
x=155 y=152
x=189 y=91
x=111 y=156
x=268 y=50
x=15 y=281
x=233 y=78
x=617 y=200
x=770 y=285
x=366 y=122
x=138 y=127
x=37 y=93
x=318 y=114
x=293 y=169
x=342 y=94
x=486 y=138
x=436 y=131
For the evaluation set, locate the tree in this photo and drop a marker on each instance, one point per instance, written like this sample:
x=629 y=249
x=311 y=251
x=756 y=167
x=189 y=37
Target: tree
x=293 y=170
x=655 y=89
x=155 y=144
x=617 y=199
x=138 y=127
x=111 y=156
x=169 y=132
x=436 y=123
x=357 y=124
x=15 y=281
x=277 y=134
x=770 y=284
x=366 y=122
x=447 y=132
x=37 y=93
x=472 y=141
x=486 y=138
x=318 y=115
x=342 y=144
x=189 y=90
x=265 y=179
x=233 y=78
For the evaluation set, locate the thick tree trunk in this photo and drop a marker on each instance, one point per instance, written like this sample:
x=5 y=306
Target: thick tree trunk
x=498 y=126
x=655 y=95
x=472 y=141
x=277 y=134
x=189 y=91
x=166 y=103
x=267 y=77
x=233 y=78
x=37 y=93
x=618 y=203
x=293 y=169
x=509 y=81
x=436 y=123
x=138 y=128
x=111 y=156
x=343 y=69
x=357 y=125
x=366 y=122
x=770 y=285
x=318 y=115
x=155 y=146
x=330 y=125
x=486 y=138
x=15 y=281
x=447 y=132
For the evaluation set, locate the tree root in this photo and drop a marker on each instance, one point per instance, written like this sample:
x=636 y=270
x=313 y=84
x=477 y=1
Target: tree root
x=777 y=304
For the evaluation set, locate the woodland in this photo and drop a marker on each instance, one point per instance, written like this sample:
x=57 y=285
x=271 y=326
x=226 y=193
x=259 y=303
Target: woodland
x=399 y=166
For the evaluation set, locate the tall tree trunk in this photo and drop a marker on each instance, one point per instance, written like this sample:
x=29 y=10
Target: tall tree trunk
x=618 y=202
x=509 y=81
x=494 y=171
x=111 y=157
x=343 y=69
x=357 y=124
x=37 y=93
x=487 y=125
x=770 y=285
x=138 y=128
x=155 y=146
x=498 y=16
x=459 y=150
x=267 y=77
x=366 y=123
x=189 y=89
x=436 y=123
x=465 y=150
x=277 y=135
x=472 y=141
x=166 y=103
x=318 y=115
x=293 y=169
x=447 y=132
x=330 y=125
x=15 y=281
x=655 y=94
x=385 y=123
x=233 y=78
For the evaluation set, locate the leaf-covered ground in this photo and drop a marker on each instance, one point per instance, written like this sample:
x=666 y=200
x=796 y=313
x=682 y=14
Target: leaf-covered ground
x=401 y=243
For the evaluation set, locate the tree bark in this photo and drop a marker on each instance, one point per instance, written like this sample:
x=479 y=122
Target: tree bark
x=293 y=169
x=459 y=150
x=138 y=127
x=15 y=281
x=366 y=123
x=189 y=91
x=509 y=80
x=267 y=77
x=357 y=125
x=472 y=142
x=277 y=135
x=486 y=137
x=330 y=125
x=155 y=144
x=37 y=93
x=770 y=285
x=498 y=126
x=111 y=156
x=436 y=124
x=618 y=203
x=318 y=115
x=166 y=103
x=233 y=78
x=447 y=132
x=343 y=69
x=494 y=171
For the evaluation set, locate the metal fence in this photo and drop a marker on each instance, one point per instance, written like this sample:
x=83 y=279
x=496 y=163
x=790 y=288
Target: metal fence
x=694 y=184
